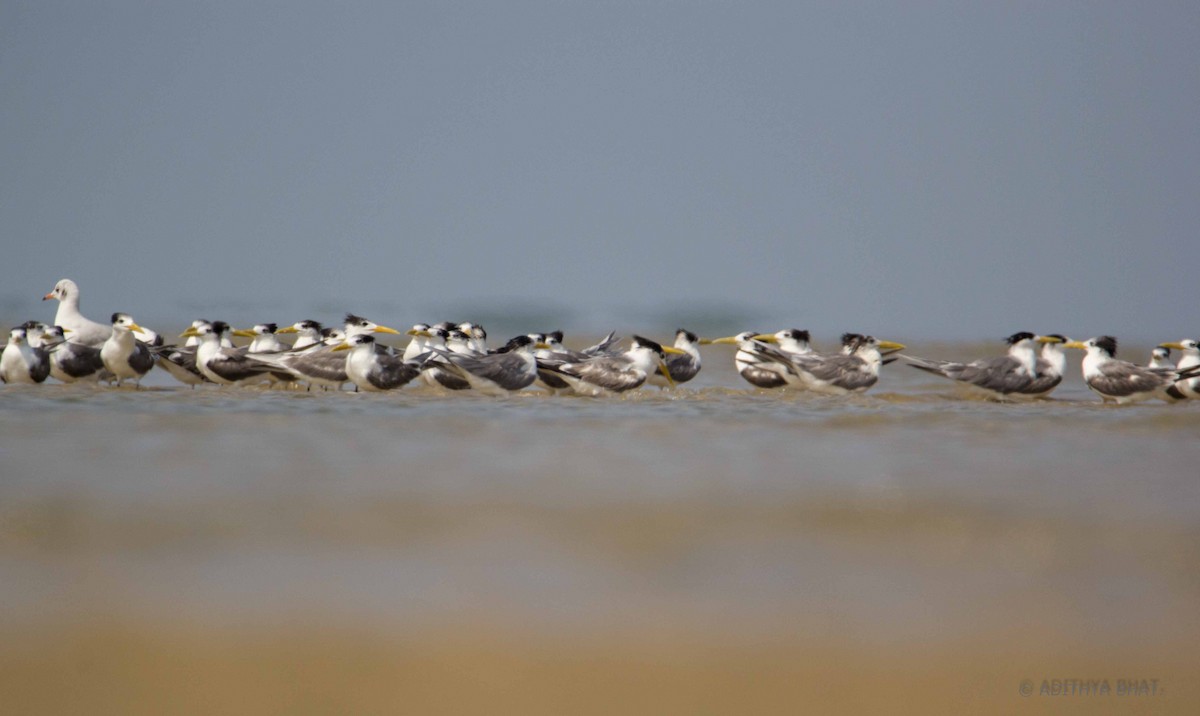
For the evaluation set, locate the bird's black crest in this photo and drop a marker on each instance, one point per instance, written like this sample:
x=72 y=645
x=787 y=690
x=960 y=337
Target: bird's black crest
x=798 y=334
x=270 y=327
x=363 y=338
x=519 y=341
x=692 y=337
x=1059 y=336
x=115 y=318
x=555 y=335
x=652 y=345
x=314 y=325
x=327 y=332
x=1018 y=337
x=353 y=320
x=849 y=339
x=1108 y=344
x=220 y=327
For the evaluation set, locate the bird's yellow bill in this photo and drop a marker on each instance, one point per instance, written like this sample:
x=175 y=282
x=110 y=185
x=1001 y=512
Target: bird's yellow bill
x=48 y=296
x=385 y=329
x=67 y=330
x=136 y=327
x=1175 y=346
x=415 y=332
x=673 y=350
x=543 y=346
x=287 y=329
x=342 y=347
x=246 y=333
x=705 y=341
x=191 y=332
x=727 y=340
x=766 y=338
x=662 y=365
x=891 y=346
x=1075 y=344
x=1049 y=339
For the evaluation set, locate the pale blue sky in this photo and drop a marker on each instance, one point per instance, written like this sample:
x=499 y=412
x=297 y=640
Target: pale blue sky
x=957 y=170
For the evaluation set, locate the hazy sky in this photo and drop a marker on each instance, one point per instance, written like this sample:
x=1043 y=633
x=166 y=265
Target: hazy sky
x=910 y=169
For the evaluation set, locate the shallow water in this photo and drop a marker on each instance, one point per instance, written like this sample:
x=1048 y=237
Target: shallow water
x=702 y=550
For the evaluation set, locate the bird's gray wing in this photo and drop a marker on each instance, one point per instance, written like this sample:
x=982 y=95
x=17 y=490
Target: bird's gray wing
x=142 y=359
x=683 y=367
x=77 y=360
x=392 y=372
x=40 y=369
x=849 y=372
x=944 y=368
x=507 y=370
x=233 y=364
x=604 y=347
x=1120 y=379
x=606 y=372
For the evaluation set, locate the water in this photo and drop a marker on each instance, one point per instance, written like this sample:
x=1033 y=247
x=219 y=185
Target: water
x=713 y=549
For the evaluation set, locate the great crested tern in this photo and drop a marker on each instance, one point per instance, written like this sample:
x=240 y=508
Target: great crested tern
x=82 y=329
x=417 y=340
x=263 y=338
x=751 y=362
x=1050 y=367
x=609 y=373
x=371 y=370
x=506 y=371
x=1007 y=376
x=435 y=374
x=684 y=365
x=357 y=325
x=1120 y=381
x=1160 y=357
x=221 y=365
x=853 y=372
x=1189 y=358
x=476 y=337
x=123 y=354
x=458 y=342
x=794 y=341
x=21 y=362
x=70 y=362
x=308 y=333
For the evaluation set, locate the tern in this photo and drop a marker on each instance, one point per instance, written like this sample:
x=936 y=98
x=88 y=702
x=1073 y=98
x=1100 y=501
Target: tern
x=1122 y=382
x=506 y=371
x=263 y=338
x=1048 y=371
x=222 y=365
x=308 y=333
x=1008 y=376
x=436 y=373
x=123 y=354
x=684 y=365
x=373 y=371
x=1189 y=358
x=854 y=371
x=70 y=362
x=753 y=364
x=604 y=374
x=21 y=362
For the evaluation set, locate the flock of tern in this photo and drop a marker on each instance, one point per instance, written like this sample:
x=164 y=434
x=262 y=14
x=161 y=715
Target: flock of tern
x=455 y=356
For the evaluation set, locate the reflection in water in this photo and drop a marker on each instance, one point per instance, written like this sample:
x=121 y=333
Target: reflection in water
x=710 y=550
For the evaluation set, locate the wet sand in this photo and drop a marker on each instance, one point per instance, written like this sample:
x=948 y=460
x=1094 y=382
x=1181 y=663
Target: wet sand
x=709 y=551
